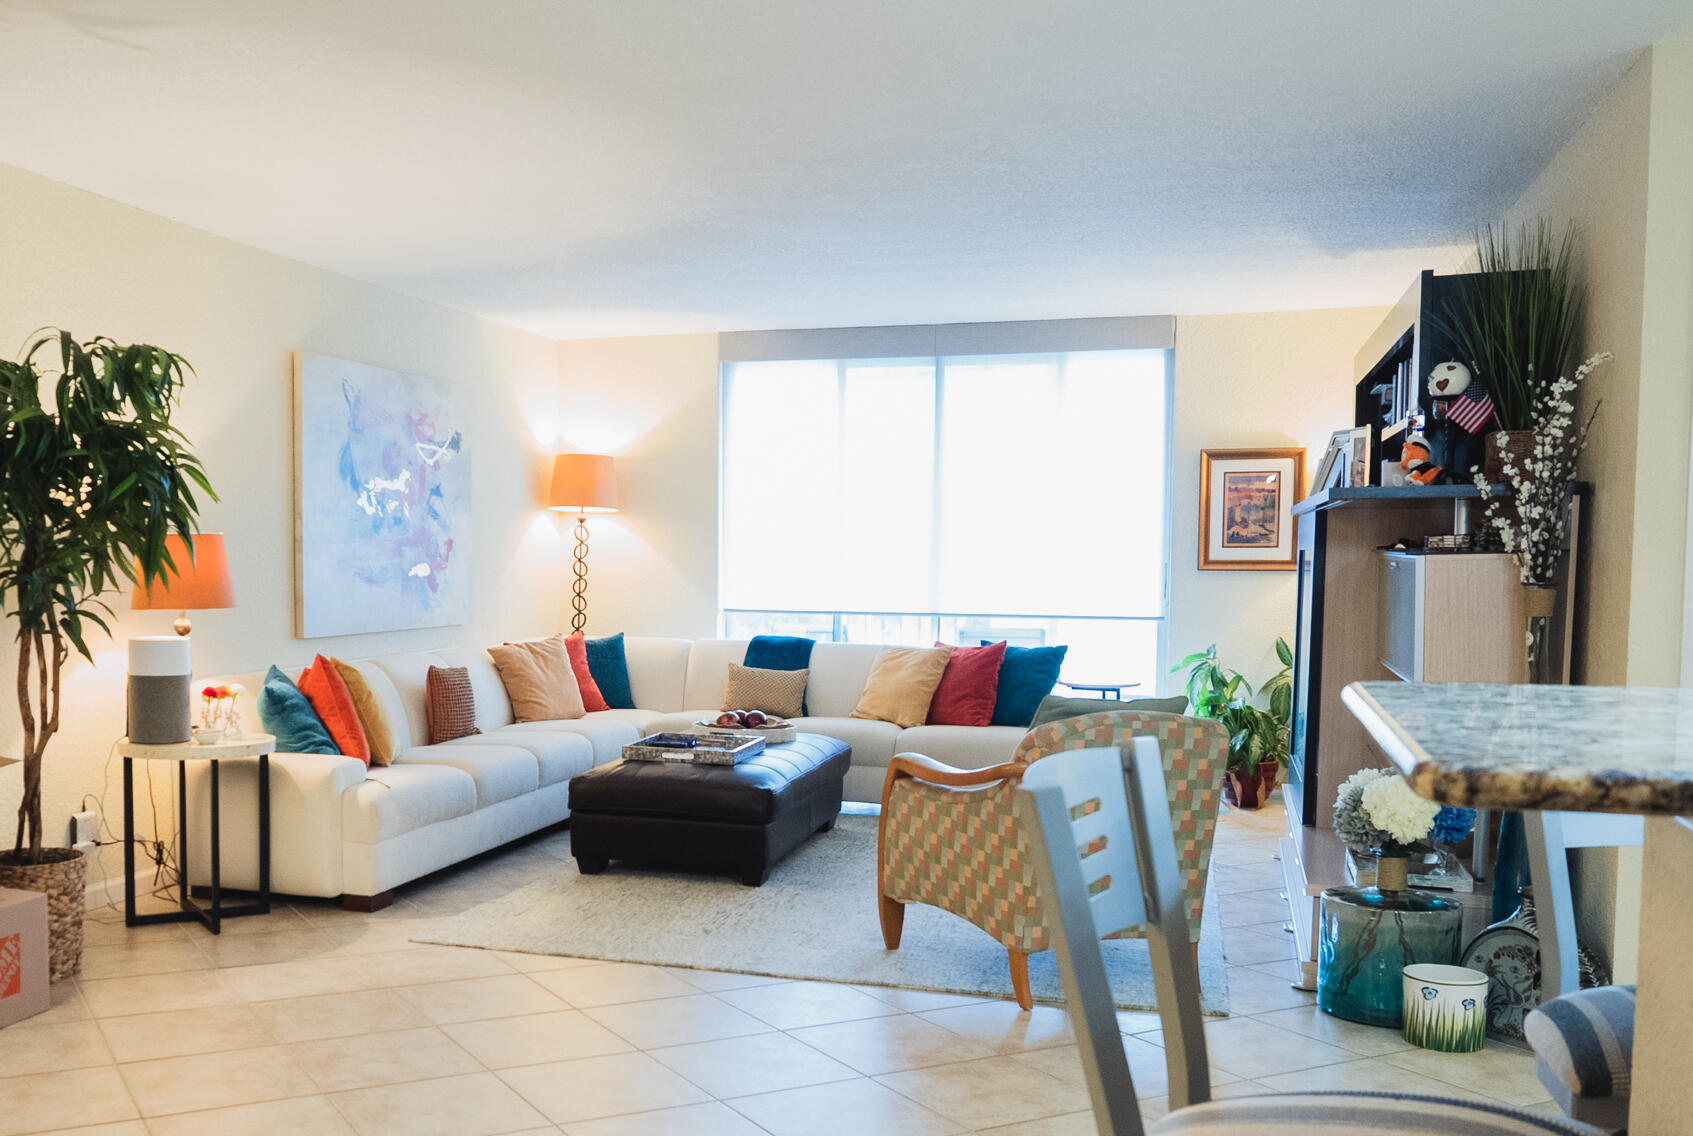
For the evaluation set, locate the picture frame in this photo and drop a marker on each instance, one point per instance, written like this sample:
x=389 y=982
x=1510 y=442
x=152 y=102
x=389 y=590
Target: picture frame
x=1332 y=471
x=1246 y=500
x=1358 y=447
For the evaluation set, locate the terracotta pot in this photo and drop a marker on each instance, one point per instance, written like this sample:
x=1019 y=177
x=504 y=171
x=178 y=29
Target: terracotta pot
x=1251 y=789
x=63 y=875
x=1519 y=444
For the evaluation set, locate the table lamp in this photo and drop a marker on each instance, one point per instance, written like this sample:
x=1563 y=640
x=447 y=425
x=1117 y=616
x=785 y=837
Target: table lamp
x=582 y=484
x=160 y=666
x=199 y=580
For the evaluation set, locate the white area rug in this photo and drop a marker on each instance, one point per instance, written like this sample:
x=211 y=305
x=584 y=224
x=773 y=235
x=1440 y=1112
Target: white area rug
x=814 y=918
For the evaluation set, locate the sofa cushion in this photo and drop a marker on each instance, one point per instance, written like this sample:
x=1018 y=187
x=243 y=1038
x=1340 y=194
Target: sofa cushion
x=642 y=720
x=576 y=646
x=493 y=708
x=781 y=653
x=1027 y=676
x=450 y=704
x=561 y=754
x=409 y=673
x=838 y=671
x=327 y=691
x=607 y=661
x=285 y=712
x=969 y=688
x=500 y=772
x=778 y=692
x=872 y=742
x=658 y=672
x=708 y=670
x=901 y=684
x=402 y=798
x=606 y=733
x=539 y=680
x=373 y=693
x=1056 y=706
x=967 y=747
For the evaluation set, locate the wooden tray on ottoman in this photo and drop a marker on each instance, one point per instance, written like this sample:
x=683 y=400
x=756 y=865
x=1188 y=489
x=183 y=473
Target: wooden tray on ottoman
x=697 y=749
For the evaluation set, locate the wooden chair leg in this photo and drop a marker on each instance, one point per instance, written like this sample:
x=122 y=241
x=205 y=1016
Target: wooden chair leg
x=1020 y=979
x=893 y=922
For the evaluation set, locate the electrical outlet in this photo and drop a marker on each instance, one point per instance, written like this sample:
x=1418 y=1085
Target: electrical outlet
x=85 y=829
x=86 y=847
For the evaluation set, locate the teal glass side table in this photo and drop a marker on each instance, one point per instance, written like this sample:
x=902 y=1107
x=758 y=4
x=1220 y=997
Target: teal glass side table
x=1367 y=936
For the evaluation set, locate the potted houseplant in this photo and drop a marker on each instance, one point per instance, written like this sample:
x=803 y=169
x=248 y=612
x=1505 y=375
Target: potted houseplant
x=91 y=482
x=1258 y=735
x=1515 y=324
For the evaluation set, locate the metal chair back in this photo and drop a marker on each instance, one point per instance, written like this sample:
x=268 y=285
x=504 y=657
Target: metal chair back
x=1098 y=827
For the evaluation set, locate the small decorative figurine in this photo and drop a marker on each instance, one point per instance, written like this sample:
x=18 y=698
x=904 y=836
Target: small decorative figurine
x=1416 y=463
x=1461 y=409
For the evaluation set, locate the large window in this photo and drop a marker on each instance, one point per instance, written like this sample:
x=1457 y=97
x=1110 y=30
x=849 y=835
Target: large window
x=961 y=498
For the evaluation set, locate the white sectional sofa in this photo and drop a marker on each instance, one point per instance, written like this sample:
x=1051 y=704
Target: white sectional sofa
x=338 y=829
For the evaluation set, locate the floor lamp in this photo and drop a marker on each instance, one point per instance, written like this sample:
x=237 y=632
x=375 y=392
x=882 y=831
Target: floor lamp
x=582 y=484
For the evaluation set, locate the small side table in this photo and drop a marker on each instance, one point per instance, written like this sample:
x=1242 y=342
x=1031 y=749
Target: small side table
x=1105 y=690
x=254 y=745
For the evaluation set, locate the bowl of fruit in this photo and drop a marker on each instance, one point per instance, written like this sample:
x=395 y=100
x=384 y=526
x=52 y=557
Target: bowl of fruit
x=772 y=729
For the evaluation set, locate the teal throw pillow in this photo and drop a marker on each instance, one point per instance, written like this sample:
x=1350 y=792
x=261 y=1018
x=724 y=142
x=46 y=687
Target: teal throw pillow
x=609 y=665
x=1027 y=675
x=1055 y=706
x=284 y=711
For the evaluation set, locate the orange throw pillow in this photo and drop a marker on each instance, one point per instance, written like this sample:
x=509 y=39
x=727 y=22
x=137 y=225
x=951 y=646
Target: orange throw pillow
x=327 y=691
x=576 y=644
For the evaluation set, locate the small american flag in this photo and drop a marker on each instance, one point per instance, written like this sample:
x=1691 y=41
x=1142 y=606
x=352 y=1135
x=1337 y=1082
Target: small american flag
x=1471 y=410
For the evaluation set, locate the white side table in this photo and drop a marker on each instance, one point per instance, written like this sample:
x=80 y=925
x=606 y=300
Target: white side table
x=260 y=746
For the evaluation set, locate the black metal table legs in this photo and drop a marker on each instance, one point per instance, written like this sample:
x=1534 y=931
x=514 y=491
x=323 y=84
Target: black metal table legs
x=212 y=915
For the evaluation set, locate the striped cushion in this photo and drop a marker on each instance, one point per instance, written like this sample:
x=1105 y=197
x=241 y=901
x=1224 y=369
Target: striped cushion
x=450 y=703
x=1586 y=1039
x=1305 y=1114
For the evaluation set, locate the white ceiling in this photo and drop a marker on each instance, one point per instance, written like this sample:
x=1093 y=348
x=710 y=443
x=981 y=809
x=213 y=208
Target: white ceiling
x=643 y=166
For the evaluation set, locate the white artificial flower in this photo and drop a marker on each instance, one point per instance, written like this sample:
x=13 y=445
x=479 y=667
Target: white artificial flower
x=1392 y=807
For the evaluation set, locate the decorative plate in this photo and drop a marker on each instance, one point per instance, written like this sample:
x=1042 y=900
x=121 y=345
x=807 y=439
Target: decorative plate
x=775 y=731
x=1510 y=956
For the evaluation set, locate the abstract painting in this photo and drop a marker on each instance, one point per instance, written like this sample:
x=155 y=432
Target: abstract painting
x=383 y=528
x=1249 y=522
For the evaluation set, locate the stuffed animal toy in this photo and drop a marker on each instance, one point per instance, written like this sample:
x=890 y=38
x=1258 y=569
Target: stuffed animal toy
x=1414 y=460
x=1461 y=409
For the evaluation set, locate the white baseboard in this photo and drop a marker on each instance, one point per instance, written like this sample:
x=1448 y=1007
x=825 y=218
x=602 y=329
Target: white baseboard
x=110 y=889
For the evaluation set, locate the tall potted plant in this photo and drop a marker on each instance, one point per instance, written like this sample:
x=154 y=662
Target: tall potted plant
x=1516 y=325
x=91 y=482
x=1258 y=736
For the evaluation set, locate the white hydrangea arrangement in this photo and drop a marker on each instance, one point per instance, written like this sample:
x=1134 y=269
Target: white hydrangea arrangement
x=1376 y=811
x=1532 y=523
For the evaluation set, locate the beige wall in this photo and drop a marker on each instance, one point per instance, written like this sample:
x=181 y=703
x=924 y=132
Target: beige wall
x=651 y=402
x=96 y=267
x=1259 y=379
x=1626 y=180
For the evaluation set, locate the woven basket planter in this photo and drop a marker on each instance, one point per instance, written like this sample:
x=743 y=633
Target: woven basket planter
x=63 y=875
x=1519 y=444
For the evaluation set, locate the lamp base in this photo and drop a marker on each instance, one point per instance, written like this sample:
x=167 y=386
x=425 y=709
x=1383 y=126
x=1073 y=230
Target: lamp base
x=579 y=586
x=182 y=626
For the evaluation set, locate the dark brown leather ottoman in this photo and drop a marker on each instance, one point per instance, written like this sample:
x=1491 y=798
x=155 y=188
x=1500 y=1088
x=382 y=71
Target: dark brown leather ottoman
x=738 y=818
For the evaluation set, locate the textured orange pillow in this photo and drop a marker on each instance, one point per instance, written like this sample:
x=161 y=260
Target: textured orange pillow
x=327 y=691
x=576 y=644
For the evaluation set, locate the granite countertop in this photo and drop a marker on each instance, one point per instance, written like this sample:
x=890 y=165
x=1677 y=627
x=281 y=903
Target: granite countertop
x=1577 y=748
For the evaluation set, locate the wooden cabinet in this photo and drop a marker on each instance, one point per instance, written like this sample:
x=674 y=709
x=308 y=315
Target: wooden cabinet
x=1445 y=617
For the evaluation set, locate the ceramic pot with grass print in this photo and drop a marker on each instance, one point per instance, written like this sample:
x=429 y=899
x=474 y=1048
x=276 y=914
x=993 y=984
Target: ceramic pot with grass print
x=1445 y=1007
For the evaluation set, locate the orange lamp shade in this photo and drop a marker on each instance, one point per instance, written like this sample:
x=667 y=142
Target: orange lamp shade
x=583 y=483
x=199 y=581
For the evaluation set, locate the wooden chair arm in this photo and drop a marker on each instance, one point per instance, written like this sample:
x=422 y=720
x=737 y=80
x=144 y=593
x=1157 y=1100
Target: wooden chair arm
x=921 y=768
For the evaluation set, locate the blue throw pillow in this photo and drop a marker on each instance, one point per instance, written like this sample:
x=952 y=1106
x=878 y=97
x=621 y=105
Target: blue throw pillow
x=780 y=653
x=610 y=668
x=1027 y=675
x=284 y=711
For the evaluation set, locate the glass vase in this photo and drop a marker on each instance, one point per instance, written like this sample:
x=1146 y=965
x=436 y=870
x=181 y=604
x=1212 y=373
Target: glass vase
x=1538 y=604
x=1366 y=937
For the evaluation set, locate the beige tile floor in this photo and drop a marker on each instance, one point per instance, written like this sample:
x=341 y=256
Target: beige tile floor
x=314 y=1020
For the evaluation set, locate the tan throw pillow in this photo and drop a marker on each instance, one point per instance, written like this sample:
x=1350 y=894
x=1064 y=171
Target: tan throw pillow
x=781 y=693
x=449 y=703
x=901 y=685
x=378 y=731
x=538 y=680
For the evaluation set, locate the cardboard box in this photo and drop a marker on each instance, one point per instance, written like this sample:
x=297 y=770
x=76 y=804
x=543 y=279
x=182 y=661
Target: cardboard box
x=23 y=955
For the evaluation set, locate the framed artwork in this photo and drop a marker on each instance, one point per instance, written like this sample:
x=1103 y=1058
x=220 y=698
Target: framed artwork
x=1336 y=466
x=383 y=524
x=1246 y=500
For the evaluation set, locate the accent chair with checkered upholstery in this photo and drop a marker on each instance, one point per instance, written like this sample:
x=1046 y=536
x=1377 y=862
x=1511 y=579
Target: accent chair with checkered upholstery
x=949 y=837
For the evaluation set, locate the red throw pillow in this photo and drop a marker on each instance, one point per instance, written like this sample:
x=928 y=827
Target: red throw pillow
x=576 y=646
x=327 y=691
x=449 y=704
x=968 y=688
